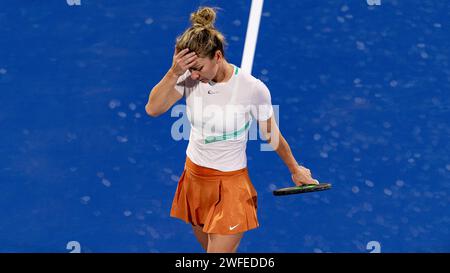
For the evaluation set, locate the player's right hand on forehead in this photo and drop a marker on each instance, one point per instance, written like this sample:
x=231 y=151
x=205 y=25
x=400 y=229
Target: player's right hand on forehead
x=182 y=61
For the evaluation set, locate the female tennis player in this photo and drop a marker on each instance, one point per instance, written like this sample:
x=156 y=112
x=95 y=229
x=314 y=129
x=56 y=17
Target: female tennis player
x=214 y=193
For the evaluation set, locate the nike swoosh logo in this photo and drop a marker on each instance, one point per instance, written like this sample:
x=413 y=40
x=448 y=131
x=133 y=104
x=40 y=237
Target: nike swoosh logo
x=211 y=92
x=231 y=228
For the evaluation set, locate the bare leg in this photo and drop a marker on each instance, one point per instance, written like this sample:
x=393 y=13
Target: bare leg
x=202 y=237
x=224 y=243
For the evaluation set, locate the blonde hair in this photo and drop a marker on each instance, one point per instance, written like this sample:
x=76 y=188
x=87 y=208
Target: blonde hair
x=202 y=37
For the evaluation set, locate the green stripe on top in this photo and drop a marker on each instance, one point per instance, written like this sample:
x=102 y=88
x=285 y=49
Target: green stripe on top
x=236 y=70
x=236 y=133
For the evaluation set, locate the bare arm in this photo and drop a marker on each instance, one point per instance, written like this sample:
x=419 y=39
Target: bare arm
x=164 y=94
x=270 y=130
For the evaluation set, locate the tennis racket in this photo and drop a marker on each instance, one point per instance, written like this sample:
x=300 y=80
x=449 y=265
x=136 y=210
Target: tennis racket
x=302 y=189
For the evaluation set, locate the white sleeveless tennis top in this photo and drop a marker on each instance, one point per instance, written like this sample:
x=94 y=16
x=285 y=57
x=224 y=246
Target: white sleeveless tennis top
x=220 y=115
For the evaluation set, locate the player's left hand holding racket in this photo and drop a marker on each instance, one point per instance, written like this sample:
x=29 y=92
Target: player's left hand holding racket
x=302 y=176
x=304 y=183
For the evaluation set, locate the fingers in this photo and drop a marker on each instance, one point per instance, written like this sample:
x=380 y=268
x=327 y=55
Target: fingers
x=189 y=57
x=182 y=61
x=304 y=179
x=187 y=62
x=314 y=181
x=309 y=182
x=191 y=61
x=181 y=53
x=308 y=171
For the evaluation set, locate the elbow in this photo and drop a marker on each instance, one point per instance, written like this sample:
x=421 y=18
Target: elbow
x=275 y=140
x=151 y=112
x=267 y=138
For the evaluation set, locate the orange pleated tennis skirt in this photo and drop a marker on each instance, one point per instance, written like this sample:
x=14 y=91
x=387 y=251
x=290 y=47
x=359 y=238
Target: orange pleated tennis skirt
x=220 y=202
